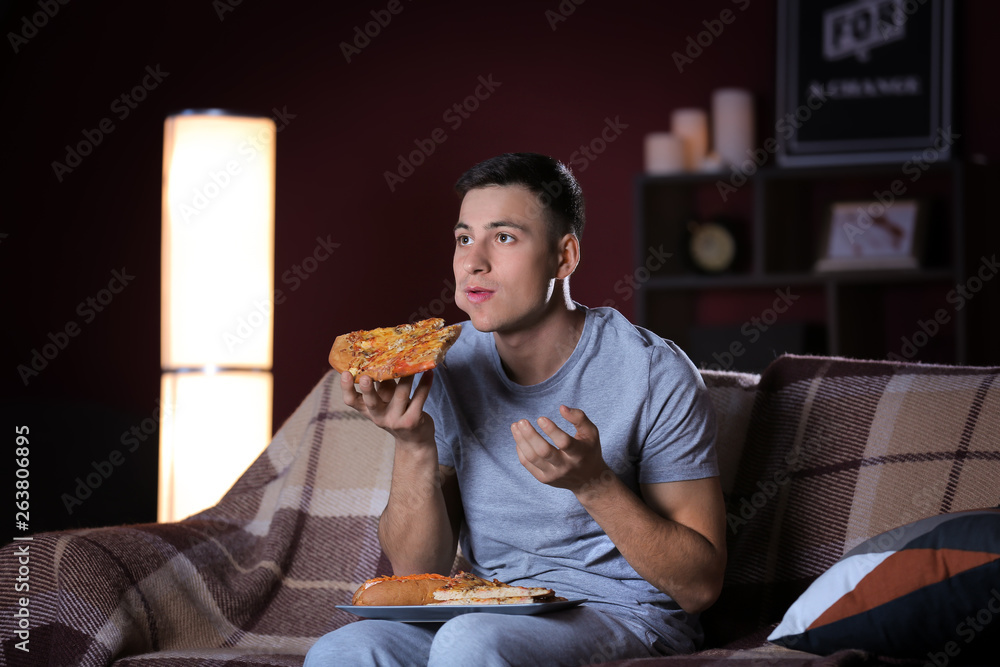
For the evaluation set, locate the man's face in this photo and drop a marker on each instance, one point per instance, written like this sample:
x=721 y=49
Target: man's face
x=505 y=261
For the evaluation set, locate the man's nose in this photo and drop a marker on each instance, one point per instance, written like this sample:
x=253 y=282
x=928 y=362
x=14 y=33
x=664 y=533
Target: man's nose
x=475 y=261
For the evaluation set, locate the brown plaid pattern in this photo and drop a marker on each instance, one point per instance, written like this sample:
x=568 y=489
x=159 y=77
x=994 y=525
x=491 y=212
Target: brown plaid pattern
x=839 y=451
x=255 y=580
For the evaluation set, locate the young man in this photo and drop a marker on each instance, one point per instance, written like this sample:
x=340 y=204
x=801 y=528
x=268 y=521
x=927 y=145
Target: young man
x=562 y=446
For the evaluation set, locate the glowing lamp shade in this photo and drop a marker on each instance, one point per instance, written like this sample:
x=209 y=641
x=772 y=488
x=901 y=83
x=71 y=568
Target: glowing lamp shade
x=216 y=425
x=217 y=282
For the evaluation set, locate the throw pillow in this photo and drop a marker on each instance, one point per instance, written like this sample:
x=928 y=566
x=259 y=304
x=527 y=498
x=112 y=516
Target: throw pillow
x=927 y=590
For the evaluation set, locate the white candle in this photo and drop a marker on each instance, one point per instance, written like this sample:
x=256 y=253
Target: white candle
x=664 y=153
x=691 y=125
x=732 y=125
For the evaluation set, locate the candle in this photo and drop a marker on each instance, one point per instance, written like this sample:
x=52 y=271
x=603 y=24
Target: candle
x=732 y=125
x=691 y=125
x=664 y=153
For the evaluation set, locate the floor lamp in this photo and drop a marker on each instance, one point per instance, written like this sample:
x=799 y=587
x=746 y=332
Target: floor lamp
x=216 y=325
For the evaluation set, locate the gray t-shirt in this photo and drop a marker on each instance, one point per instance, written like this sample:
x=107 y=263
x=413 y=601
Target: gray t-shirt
x=656 y=424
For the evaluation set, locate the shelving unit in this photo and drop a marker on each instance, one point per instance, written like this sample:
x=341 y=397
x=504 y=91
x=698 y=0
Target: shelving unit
x=771 y=301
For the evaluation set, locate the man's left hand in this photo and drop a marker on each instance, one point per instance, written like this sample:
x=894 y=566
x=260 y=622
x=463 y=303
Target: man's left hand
x=575 y=463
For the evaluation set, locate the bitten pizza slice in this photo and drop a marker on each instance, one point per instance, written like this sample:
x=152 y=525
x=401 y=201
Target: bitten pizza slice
x=394 y=352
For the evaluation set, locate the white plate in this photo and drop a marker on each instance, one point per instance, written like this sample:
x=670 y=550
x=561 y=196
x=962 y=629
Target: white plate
x=438 y=613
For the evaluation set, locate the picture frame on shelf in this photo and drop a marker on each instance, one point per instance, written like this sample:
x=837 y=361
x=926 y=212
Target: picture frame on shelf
x=866 y=235
x=864 y=81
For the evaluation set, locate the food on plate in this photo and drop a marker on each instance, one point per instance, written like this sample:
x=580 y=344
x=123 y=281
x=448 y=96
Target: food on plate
x=414 y=589
x=467 y=588
x=434 y=589
x=394 y=352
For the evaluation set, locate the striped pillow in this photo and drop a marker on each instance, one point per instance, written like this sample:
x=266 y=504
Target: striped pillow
x=929 y=590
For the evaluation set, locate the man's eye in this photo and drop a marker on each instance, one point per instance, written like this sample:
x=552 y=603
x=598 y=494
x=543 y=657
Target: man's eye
x=504 y=238
x=463 y=240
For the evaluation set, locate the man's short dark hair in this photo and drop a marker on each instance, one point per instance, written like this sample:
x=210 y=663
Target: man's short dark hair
x=555 y=188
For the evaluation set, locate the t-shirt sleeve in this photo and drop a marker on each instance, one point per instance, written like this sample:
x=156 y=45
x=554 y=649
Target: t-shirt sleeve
x=681 y=425
x=441 y=411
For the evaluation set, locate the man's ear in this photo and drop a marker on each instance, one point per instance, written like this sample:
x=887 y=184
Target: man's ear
x=569 y=256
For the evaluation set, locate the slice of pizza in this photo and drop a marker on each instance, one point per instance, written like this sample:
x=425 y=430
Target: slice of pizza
x=467 y=586
x=394 y=352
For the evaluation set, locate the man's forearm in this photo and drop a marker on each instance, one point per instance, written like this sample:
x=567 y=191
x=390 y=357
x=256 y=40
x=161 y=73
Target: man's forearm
x=414 y=529
x=674 y=558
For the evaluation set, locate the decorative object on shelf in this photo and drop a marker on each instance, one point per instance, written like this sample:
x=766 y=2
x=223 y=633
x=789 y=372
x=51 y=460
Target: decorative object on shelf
x=865 y=235
x=711 y=245
x=732 y=125
x=664 y=153
x=864 y=81
x=691 y=125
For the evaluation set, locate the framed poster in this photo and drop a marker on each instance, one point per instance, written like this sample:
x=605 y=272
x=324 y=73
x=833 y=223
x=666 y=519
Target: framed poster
x=863 y=81
x=865 y=235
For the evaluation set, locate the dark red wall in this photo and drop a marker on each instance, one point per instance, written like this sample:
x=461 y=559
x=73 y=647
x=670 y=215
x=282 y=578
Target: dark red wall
x=556 y=83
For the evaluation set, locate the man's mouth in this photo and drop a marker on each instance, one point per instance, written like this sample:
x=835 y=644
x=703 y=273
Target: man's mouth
x=477 y=294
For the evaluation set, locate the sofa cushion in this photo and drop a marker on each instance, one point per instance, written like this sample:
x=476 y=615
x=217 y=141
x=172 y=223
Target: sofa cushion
x=929 y=589
x=837 y=451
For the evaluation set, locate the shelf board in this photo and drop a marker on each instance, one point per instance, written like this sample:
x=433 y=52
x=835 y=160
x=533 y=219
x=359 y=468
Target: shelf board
x=758 y=280
x=811 y=173
x=890 y=276
x=814 y=173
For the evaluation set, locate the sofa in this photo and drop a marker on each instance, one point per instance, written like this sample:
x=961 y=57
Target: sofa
x=817 y=455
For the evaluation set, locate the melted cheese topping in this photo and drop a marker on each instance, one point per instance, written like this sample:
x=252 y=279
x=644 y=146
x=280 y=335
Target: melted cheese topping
x=391 y=352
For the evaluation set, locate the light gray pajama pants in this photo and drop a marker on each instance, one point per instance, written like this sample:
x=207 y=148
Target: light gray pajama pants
x=578 y=636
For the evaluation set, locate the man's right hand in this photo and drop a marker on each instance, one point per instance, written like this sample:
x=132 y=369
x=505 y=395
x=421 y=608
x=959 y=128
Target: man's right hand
x=390 y=407
x=418 y=529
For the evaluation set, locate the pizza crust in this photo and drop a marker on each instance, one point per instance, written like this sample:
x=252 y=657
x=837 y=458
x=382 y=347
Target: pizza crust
x=341 y=355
